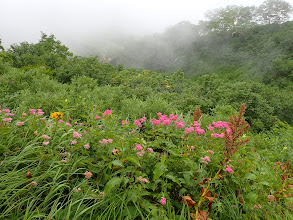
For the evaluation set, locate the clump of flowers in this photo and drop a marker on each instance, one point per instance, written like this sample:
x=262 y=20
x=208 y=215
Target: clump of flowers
x=107 y=112
x=88 y=174
x=142 y=180
x=57 y=116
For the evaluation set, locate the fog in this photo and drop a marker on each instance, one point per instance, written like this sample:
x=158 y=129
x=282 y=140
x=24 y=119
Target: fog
x=80 y=22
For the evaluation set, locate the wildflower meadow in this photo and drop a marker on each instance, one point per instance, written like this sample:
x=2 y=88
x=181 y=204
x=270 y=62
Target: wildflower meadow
x=82 y=139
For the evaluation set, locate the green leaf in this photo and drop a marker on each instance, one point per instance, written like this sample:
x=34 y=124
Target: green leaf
x=173 y=178
x=114 y=182
x=250 y=176
x=115 y=163
x=133 y=160
x=159 y=170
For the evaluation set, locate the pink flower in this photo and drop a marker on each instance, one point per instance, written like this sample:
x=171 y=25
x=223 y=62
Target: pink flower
x=69 y=125
x=61 y=121
x=179 y=124
x=24 y=114
x=46 y=137
x=138 y=147
x=77 y=190
x=159 y=114
x=95 y=106
x=7 y=119
x=104 y=141
x=99 y=126
x=192 y=147
x=34 y=183
x=137 y=123
x=110 y=141
x=86 y=146
x=199 y=130
x=97 y=117
x=173 y=117
x=211 y=128
x=63 y=154
x=40 y=113
x=163 y=201
x=20 y=123
x=140 y=153
x=131 y=132
x=6 y=110
x=229 y=170
x=9 y=114
x=64 y=160
x=142 y=180
x=207 y=158
x=75 y=122
x=85 y=131
x=114 y=150
x=210 y=152
x=32 y=111
x=73 y=142
x=76 y=135
x=143 y=119
x=36 y=133
x=150 y=150
x=107 y=112
x=166 y=122
x=124 y=122
x=46 y=143
x=70 y=119
x=155 y=121
x=88 y=174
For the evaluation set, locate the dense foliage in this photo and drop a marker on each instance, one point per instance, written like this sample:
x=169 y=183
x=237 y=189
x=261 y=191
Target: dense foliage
x=82 y=139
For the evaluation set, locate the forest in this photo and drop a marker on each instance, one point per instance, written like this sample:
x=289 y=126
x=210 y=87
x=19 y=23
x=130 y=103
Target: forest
x=192 y=123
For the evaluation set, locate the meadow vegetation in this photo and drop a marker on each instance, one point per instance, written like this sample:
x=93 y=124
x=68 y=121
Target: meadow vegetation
x=83 y=139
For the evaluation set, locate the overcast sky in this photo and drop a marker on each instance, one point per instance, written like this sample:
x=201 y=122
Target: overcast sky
x=23 y=20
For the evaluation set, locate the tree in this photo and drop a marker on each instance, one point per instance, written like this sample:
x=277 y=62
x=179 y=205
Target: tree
x=274 y=11
x=48 y=51
x=1 y=48
x=230 y=18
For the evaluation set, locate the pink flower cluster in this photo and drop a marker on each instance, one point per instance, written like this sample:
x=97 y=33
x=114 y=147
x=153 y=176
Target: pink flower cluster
x=76 y=135
x=228 y=169
x=163 y=201
x=194 y=127
x=107 y=112
x=219 y=125
x=88 y=174
x=124 y=122
x=165 y=120
x=37 y=112
x=140 y=149
x=105 y=141
x=206 y=159
x=142 y=180
x=139 y=121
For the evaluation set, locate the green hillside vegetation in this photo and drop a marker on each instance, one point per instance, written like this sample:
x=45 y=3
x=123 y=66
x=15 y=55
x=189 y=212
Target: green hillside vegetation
x=208 y=136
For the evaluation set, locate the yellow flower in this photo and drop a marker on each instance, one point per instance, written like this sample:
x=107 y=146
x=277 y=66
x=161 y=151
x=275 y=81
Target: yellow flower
x=57 y=115
x=167 y=86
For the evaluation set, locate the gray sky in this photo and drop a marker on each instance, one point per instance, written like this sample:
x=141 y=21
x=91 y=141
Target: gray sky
x=23 y=20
